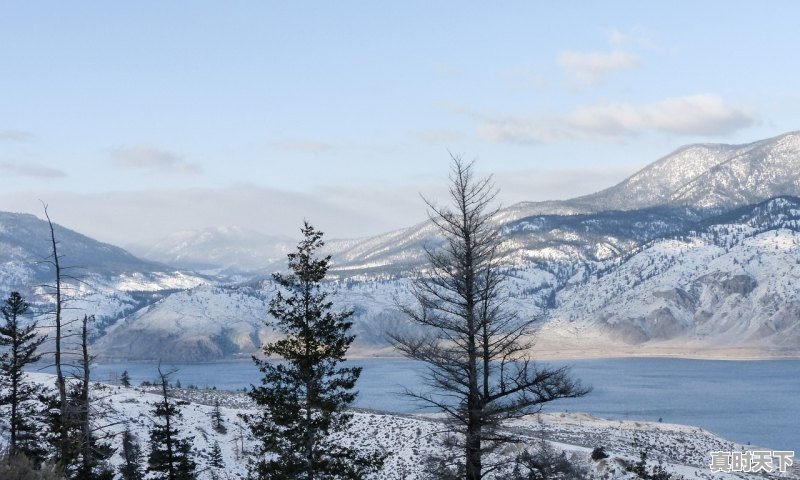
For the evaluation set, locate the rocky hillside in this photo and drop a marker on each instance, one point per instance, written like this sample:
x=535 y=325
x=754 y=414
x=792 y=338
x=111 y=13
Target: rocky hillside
x=732 y=283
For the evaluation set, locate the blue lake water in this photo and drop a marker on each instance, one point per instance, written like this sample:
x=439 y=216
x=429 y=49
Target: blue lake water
x=745 y=401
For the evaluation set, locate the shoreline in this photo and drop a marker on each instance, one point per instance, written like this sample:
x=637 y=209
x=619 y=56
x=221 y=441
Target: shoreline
x=545 y=355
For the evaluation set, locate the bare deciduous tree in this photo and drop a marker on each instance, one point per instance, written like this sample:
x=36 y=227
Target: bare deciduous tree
x=476 y=347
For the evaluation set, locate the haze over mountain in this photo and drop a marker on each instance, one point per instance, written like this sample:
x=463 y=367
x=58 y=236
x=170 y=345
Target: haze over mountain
x=695 y=254
x=220 y=248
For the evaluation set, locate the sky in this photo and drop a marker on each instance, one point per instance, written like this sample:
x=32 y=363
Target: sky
x=135 y=120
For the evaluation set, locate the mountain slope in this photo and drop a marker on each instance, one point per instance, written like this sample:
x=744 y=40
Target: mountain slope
x=99 y=279
x=711 y=177
x=707 y=178
x=732 y=283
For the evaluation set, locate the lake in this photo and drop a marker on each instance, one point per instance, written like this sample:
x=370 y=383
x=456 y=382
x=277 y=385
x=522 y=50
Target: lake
x=745 y=401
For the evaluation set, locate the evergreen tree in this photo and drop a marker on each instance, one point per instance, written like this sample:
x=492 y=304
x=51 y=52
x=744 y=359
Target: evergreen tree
x=217 y=421
x=131 y=468
x=304 y=397
x=477 y=349
x=170 y=456
x=215 y=457
x=215 y=461
x=125 y=379
x=19 y=395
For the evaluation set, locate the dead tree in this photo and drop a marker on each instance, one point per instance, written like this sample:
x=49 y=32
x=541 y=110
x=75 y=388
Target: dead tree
x=61 y=383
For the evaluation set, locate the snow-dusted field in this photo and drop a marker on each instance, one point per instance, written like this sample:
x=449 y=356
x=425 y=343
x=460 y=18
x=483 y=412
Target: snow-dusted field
x=408 y=440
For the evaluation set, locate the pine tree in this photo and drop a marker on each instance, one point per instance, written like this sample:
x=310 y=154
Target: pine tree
x=215 y=457
x=215 y=461
x=304 y=397
x=217 y=422
x=22 y=343
x=170 y=456
x=125 y=379
x=131 y=467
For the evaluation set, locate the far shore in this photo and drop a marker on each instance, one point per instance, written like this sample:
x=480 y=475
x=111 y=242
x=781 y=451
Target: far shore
x=565 y=354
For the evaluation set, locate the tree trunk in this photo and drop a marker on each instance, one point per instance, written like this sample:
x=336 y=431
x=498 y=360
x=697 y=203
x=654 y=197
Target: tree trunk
x=170 y=456
x=60 y=381
x=87 y=429
x=12 y=447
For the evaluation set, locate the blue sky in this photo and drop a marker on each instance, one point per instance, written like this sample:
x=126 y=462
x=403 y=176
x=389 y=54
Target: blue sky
x=134 y=120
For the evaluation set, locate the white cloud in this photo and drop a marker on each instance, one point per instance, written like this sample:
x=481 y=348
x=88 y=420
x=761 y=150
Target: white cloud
x=153 y=159
x=590 y=68
x=29 y=169
x=15 y=135
x=701 y=115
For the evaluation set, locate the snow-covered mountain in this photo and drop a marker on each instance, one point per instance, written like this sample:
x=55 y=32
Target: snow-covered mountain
x=679 y=258
x=732 y=284
x=99 y=278
x=225 y=249
x=695 y=181
x=648 y=281
x=717 y=176
x=708 y=177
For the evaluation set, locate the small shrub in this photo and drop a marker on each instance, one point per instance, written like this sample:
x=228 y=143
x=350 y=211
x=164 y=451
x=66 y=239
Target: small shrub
x=640 y=469
x=20 y=468
x=545 y=463
x=599 y=453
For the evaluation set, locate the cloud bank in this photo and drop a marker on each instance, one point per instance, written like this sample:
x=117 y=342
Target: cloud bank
x=15 y=136
x=701 y=115
x=152 y=159
x=29 y=169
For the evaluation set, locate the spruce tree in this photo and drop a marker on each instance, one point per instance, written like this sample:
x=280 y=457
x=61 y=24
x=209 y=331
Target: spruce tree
x=131 y=467
x=170 y=456
x=215 y=457
x=125 y=379
x=303 y=398
x=18 y=394
x=217 y=422
x=215 y=461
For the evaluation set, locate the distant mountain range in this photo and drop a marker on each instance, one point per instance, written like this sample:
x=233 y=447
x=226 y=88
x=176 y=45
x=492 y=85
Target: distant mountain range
x=696 y=254
x=219 y=249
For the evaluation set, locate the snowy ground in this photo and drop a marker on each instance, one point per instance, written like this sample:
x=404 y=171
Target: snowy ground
x=408 y=440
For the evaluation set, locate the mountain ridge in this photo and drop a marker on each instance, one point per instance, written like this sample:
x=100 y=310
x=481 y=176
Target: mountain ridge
x=572 y=271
